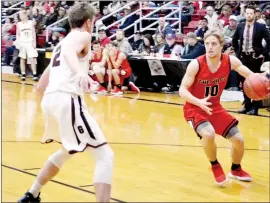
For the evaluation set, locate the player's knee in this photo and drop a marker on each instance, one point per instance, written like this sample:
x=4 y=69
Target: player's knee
x=208 y=135
x=96 y=69
x=104 y=164
x=237 y=140
x=59 y=158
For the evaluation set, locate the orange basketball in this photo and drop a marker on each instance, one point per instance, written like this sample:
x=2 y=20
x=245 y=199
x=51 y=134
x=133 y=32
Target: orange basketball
x=256 y=86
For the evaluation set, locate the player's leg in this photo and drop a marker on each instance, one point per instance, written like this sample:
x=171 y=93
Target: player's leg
x=48 y=171
x=116 y=77
x=22 y=55
x=32 y=54
x=103 y=172
x=228 y=129
x=100 y=72
x=238 y=148
x=207 y=133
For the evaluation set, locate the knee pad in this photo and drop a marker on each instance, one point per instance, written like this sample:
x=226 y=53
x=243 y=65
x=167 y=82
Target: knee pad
x=233 y=131
x=59 y=158
x=104 y=158
x=98 y=69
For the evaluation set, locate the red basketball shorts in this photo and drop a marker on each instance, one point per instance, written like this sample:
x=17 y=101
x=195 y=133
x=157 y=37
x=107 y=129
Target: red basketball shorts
x=220 y=119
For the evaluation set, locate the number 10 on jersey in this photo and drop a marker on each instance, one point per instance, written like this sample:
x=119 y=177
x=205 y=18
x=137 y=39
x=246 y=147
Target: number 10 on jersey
x=211 y=90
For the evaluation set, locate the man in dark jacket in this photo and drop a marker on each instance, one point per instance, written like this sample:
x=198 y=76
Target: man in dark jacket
x=247 y=44
x=196 y=49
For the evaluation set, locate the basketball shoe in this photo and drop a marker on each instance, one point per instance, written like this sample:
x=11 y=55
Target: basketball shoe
x=240 y=174
x=29 y=198
x=220 y=177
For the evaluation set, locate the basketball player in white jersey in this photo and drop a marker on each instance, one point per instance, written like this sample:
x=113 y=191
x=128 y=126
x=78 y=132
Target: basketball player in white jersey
x=66 y=116
x=26 y=42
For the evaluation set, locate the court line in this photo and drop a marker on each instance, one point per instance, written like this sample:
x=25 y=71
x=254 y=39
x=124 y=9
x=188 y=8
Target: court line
x=147 y=144
x=86 y=185
x=148 y=100
x=29 y=169
x=58 y=182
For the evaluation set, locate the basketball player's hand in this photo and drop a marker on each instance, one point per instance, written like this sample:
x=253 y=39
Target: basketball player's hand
x=84 y=81
x=204 y=104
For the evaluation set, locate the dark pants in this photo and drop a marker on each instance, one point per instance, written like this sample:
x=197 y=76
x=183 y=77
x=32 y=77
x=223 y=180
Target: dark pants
x=8 y=54
x=254 y=65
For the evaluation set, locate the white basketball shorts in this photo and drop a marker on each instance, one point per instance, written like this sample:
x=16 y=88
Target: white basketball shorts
x=68 y=121
x=27 y=50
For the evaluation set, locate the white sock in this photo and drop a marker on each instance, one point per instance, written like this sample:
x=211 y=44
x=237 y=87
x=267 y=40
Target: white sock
x=35 y=189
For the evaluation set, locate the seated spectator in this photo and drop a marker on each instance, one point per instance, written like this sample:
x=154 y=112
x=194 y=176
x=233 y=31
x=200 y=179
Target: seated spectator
x=63 y=25
x=112 y=7
x=196 y=49
x=163 y=28
x=204 y=27
x=52 y=17
x=230 y=29
x=128 y=21
x=102 y=37
x=137 y=41
x=6 y=28
x=108 y=20
x=148 y=43
x=122 y=43
x=225 y=15
x=187 y=11
x=98 y=65
x=259 y=18
x=186 y=46
x=98 y=14
x=211 y=16
x=159 y=43
x=170 y=49
x=218 y=25
x=119 y=68
x=12 y=31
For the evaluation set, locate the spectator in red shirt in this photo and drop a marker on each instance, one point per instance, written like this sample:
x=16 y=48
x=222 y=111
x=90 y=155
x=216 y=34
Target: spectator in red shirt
x=102 y=37
x=226 y=12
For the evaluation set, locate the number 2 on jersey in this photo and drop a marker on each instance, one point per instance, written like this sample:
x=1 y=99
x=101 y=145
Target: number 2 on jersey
x=56 y=60
x=212 y=90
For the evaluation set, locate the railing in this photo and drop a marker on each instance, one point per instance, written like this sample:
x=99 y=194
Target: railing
x=59 y=21
x=12 y=8
x=177 y=10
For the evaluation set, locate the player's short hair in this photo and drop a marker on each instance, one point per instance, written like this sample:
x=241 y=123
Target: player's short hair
x=217 y=34
x=251 y=7
x=95 y=42
x=79 y=14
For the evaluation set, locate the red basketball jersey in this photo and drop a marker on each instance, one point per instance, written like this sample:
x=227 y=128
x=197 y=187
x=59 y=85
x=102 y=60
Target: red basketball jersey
x=207 y=83
x=97 y=58
x=124 y=65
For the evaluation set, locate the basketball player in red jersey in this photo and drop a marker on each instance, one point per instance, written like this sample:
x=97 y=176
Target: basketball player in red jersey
x=99 y=66
x=118 y=67
x=201 y=87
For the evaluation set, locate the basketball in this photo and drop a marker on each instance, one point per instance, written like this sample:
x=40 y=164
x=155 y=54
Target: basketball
x=256 y=86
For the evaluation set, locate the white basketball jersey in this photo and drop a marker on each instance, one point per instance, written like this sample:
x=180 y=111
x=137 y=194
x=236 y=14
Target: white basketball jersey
x=26 y=31
x=62 y=77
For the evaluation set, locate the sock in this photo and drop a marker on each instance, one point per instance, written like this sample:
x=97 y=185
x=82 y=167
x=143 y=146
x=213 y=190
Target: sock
x=235 y=166
x=23 y=73
x=118 y=86
x=214 y=162
x=35 y=189
x=102 y=84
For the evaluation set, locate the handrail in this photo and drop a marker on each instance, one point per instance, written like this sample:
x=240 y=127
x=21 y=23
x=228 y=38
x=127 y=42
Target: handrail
x=10 y=16
x=59 y=21
x=5 y=9
x=139 y=20
x=116 y=11
x=118 y=21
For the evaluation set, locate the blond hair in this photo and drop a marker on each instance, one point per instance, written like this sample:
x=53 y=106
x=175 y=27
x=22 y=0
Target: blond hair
x=217 y=34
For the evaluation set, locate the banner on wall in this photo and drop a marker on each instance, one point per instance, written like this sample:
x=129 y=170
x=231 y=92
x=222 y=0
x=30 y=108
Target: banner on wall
x=156 y=68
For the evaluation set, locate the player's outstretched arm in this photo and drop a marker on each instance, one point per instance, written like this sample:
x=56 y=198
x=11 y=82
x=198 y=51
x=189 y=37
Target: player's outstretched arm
x=237 y=65
x=187 y=82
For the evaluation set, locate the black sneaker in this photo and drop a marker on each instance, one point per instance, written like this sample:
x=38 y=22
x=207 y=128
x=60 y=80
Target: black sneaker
x=35 y=77
x=23 y=77
x=29 y=198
